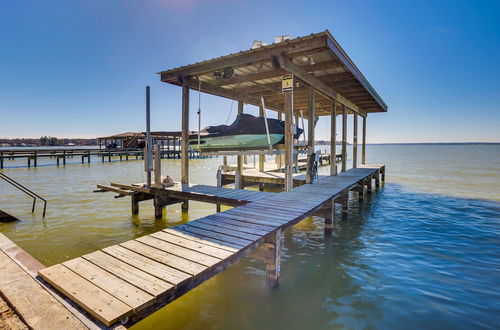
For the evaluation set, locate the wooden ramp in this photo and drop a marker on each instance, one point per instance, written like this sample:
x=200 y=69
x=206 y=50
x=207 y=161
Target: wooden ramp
x=128 y=281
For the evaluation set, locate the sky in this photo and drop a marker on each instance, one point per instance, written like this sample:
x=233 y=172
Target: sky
x=79 y=68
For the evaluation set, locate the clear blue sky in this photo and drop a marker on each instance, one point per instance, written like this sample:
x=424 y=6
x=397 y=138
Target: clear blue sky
x=78 y=68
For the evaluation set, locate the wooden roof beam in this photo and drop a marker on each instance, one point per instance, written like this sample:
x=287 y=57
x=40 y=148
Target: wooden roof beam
x=312 y=81
x=231 y=94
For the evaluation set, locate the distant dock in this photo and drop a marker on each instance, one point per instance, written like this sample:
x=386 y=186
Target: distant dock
x=31 y=156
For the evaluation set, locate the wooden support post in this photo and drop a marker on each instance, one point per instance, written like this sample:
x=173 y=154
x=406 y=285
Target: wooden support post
x=345 y=201
x=363 y=146
x=135 y=204
x=329 y=219
x=88 y=159
x=333 y=140
x=29 y=161
x=239 y=171
x=64 y=157
x=1 y=160
x=262 y=158
x=219 y=184
x=157 y=165
x=355 y=141
x=57 y=159
x=377 y=179
x=35 y=158
x=109 y=156
x=273 y=265
x=361 y=192
x=288 y=141
x=369 y=185
x=279 y=157
x=157 y=201
x=185 y=141
x=310 y=138
x=344 y=138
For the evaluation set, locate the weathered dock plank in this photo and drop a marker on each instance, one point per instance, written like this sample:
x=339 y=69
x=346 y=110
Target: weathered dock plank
x=35 y=305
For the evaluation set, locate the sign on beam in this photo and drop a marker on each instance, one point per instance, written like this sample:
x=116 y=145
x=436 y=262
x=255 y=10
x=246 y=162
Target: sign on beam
x=287 y=83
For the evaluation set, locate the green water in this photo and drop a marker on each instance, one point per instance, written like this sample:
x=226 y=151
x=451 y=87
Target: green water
x=423 y=251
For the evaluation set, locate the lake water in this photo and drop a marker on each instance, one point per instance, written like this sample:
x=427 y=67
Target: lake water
x=423 y=252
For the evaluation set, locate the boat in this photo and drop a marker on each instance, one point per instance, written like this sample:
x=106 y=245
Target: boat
x=247 y=132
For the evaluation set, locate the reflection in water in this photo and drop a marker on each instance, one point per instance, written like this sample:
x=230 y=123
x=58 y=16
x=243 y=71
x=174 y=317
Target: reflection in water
x=403 y=257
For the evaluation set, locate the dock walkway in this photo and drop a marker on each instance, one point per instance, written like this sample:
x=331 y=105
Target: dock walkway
x=128 y=281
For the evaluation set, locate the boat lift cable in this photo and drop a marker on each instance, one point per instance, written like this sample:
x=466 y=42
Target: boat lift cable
x=267 y=126
x=199 y=113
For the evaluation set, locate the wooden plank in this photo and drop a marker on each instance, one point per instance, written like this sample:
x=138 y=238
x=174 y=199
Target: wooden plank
x=32 y=302
x=224 y=230
x=193 y=245
x=166 y=258
x=135 y=276
x=249 y=213
x=235 y=222
x=120 y=289
x=90 y=297
x=182 y=252
x=219 y=238
x=201 y=241
x=163 y=272
x=243 y=218
x=116 y=190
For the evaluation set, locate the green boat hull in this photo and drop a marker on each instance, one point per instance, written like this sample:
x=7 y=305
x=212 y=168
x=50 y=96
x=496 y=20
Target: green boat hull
x=235 y=142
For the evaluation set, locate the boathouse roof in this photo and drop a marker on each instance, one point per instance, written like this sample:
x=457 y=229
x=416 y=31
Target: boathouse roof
x=316 y=60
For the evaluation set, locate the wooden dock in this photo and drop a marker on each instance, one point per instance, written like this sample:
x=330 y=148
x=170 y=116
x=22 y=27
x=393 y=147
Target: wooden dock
x=129 y=281
x=32 y=156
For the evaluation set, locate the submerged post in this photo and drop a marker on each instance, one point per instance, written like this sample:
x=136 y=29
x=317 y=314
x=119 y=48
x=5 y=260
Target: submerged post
x=273 y=265
x=355 y=141
x=333 y=140
x=185 y=140
x=344 y=138
x=310 y=137
x=363 y=146
x=148 y=166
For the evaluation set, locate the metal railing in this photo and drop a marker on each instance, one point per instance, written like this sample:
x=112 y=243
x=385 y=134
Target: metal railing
x=26 y=191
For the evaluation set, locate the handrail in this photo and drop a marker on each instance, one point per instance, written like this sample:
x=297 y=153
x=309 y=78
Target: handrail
x=26 y=191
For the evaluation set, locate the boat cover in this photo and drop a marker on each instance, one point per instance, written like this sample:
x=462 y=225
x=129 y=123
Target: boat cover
x=247 y=124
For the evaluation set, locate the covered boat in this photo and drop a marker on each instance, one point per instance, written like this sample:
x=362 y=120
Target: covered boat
x=247 y=132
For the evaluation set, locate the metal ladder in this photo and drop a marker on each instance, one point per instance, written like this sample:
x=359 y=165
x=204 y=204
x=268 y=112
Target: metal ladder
x=26 y=191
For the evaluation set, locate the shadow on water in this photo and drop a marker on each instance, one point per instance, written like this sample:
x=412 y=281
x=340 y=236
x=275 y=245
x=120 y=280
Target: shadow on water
x=399 y=259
